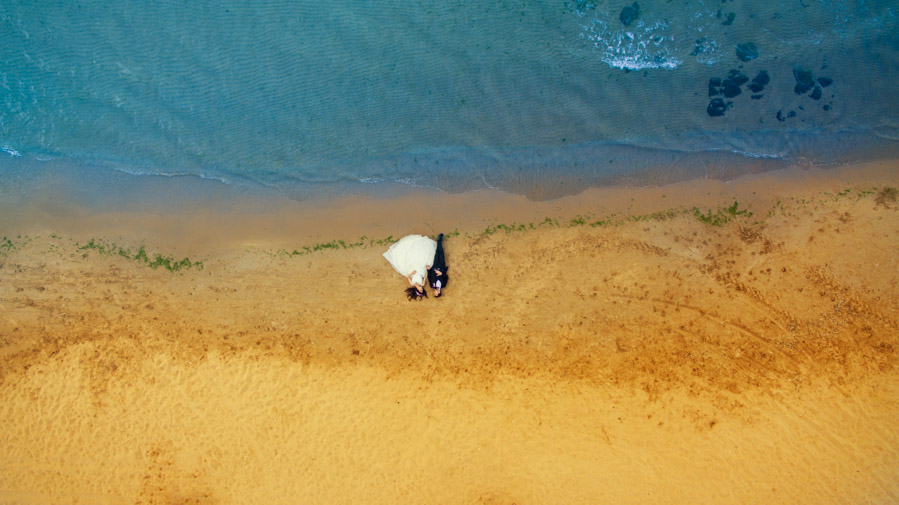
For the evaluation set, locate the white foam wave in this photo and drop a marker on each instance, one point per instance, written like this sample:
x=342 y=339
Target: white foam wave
x=11 y=152
x=758 y=155
x=140 y=172
x=887 y=135
x=646 y=46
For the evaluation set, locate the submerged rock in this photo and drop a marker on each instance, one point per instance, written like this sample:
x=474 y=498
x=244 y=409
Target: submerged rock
x=747 y=51
x=759 y=82
x=739 y=78
x=730 y=88
x=730 y=19
x=629 y=14
x=805 y=81
x=782 y=118
x=731 y=85
x=699 y=48
x=717 y=107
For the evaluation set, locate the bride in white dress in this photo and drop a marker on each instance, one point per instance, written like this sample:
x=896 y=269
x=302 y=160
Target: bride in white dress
x=411 y=257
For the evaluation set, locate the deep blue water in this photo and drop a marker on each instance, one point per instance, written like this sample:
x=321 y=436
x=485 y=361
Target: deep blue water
x=540 y=98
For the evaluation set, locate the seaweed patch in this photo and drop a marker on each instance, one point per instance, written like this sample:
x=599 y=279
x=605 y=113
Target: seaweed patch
x=153 y=261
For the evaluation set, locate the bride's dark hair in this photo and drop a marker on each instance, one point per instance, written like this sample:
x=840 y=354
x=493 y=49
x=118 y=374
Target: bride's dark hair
x=414 y=294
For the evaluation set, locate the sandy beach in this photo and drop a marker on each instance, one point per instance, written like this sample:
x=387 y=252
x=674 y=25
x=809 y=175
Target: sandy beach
x=703 y=342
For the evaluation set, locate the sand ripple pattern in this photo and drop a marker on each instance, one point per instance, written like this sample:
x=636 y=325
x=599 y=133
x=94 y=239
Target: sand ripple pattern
x=749 y=363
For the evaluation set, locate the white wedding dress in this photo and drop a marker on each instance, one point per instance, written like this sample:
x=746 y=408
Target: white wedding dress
x=412 y=252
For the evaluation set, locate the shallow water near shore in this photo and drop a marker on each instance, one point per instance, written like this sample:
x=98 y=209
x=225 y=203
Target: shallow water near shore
x=542 y=99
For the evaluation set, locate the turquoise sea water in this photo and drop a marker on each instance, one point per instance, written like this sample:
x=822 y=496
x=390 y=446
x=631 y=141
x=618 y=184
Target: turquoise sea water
x=542 y=98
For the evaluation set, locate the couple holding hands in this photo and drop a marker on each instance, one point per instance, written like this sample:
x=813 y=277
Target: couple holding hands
x=416 y=257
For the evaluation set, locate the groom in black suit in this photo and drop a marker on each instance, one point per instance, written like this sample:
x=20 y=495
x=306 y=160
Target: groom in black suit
x=437 y=277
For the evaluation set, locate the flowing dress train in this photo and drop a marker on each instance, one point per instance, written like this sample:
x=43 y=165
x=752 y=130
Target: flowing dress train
x=412 y=252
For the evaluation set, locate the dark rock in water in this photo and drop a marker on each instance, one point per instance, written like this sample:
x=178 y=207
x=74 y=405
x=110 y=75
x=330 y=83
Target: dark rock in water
x=805 y=81
x=717 y=107
x=782 y=118
x=629 y=14
x=747 y=51
x=826 y=107
x=738 y=78
x=730 y=88
x=700 y=47
x=760 y=81
x=731 y=85
x=730 y=19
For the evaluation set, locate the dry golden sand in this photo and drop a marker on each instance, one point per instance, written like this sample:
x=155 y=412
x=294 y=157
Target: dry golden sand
x=656 y=360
